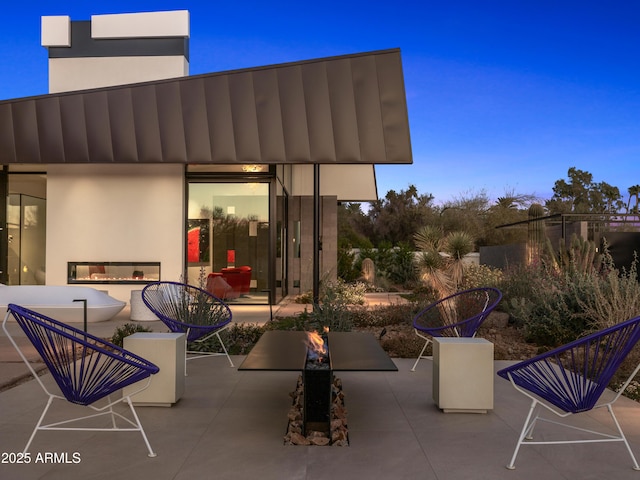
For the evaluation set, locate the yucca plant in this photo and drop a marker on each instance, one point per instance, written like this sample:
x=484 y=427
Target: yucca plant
x=428 y=238
x=431 y=265
x=443 y=273
x=457 y=245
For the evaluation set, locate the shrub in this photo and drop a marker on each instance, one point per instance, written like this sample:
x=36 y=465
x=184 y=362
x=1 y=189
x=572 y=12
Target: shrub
x=557 y=302
x=546 y=303
x=348 y=269
x=480 y=276
x=306 y=297
x=615 y=296
x=403 y=269
x=332 y=315
x=125 y=330
x=395 y=266
x=239 y=339
x=382 y=316
x=341 y=292
x=402 y=346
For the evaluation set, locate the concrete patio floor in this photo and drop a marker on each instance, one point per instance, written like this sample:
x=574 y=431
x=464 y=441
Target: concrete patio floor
x=230 y=425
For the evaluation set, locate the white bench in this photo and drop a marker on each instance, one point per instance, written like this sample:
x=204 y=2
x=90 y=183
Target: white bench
x=62 y=303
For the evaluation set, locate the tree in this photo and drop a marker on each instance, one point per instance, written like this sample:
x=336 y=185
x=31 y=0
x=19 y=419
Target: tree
x=634 y=191
x=510 y=208
x=466 y=212
x=514 y=201
x=572 y=196
x=395 y=218
x=582 y=195
x=606 y=198
x=354 y=226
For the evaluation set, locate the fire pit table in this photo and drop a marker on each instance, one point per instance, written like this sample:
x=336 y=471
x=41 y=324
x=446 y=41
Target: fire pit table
x=347 y=352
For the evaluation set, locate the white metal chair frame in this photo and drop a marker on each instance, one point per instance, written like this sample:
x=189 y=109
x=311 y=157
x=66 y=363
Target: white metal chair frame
x=534 y=416
x=179 y=305
x=134 y=423
x=465 y=328
x=572 y=380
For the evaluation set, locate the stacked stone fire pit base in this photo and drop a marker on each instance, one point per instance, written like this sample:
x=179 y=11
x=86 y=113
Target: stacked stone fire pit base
x=338 y=436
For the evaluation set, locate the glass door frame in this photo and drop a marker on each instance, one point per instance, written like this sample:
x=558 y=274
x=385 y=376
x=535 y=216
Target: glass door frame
x=227 y=177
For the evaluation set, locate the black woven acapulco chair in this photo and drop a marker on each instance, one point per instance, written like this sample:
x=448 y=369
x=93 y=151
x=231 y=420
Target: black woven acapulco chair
x=458 y=315
x=87 y=370
x=190 y=310
x=573 y=379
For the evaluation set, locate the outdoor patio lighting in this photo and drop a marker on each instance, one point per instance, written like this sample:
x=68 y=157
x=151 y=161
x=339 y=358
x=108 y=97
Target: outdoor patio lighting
x=252 y=168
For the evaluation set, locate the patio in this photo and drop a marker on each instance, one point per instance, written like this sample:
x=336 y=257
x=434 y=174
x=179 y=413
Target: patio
x=230 y=425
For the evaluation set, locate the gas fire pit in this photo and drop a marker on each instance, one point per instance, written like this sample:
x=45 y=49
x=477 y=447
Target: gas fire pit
x=293 y=351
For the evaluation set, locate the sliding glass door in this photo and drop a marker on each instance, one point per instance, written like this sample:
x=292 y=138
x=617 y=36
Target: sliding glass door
x=228 y=239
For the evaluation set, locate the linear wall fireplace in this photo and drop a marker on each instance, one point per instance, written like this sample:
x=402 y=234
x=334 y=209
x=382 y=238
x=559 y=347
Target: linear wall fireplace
x=113 y=272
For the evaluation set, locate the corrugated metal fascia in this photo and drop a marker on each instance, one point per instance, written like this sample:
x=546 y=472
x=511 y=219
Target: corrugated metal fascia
x=347 y=109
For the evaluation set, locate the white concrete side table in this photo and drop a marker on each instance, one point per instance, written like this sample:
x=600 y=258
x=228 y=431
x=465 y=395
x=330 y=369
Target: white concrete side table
x=463 y=374
x=139 y=311
x=167 y=351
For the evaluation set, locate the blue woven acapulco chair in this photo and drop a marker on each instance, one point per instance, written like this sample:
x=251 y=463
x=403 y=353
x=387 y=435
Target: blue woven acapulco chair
x=571 y=379
x=458 y=315
x=189 y=310
x=86 y=368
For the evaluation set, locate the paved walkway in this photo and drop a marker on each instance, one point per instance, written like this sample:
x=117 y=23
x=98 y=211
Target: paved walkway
x=230 y=425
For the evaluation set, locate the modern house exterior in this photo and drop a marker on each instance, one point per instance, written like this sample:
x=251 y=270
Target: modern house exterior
x=131 y=170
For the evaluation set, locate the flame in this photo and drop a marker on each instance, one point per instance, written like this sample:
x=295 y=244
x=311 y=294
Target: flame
x=316 y=343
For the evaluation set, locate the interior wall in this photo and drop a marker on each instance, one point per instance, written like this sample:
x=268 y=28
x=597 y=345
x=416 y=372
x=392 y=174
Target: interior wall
x=115 y=213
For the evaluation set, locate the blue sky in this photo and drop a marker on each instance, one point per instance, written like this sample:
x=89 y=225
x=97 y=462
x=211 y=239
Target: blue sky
x=502 y=95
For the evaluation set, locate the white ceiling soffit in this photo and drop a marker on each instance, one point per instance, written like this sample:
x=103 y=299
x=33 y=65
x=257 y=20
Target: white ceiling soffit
x=350 y=183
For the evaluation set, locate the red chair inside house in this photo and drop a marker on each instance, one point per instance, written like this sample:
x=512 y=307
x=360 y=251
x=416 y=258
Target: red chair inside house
x=218 y=287
x=239 y=278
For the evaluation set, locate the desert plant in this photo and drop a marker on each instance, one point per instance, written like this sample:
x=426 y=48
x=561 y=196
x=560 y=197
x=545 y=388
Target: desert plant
x=480 y=276
x=457 y=245
x=556 y=298
x=125 y=330
x=615 y=296
x=402 y=270
x=382 y=315
x=239 y=339
x=441 y=262
x=339 y=291
x=580 y=256
x=347 y=267
x=545 y=303
x=333 y=311
x=536 y=232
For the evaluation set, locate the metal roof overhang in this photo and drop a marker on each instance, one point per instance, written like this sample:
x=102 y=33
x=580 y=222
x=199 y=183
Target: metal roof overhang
x=340 y=110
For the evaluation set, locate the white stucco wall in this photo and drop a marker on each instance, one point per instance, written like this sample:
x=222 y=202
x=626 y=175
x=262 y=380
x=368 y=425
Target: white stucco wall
x=97 y=71
x=116 y=213
x=68 y=74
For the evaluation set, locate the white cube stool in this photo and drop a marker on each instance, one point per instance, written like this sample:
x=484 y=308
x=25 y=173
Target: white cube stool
x=463 y=374
x=167 y=351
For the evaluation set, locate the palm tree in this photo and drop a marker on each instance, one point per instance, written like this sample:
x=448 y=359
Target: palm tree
x=506 y=202
x=634 y=191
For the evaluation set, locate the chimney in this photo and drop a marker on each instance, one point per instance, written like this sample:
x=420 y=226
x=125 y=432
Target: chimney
x=115 y=49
